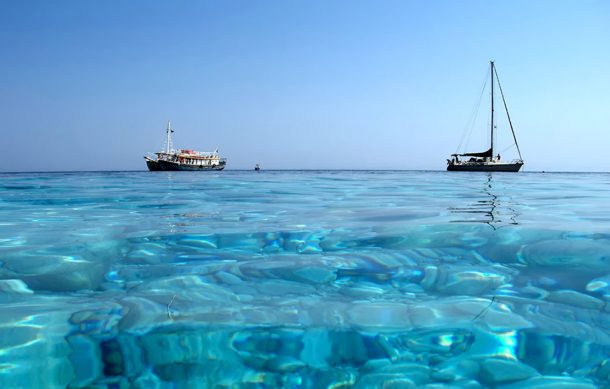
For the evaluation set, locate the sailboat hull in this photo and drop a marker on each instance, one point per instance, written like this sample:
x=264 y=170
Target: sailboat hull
x=484 y=167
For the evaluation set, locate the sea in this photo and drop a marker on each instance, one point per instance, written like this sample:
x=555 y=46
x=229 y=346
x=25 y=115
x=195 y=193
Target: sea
x=304 y=279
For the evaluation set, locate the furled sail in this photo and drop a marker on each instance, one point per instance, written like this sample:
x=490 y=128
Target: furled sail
x=483 y=154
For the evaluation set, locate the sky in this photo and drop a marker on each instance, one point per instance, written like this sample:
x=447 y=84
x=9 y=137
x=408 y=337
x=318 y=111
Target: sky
x=317 y=84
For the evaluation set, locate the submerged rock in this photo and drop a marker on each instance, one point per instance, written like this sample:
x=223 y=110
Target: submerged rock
x=417 y=373
x=555 y=354
x=315 y=275
x=387 y=315
x=549 y=382
x=14 y=286
x=430 y=277
x=199 y=241
x=496 y=371
x=571 y=297
x=384 y=381
x=600 y=284
x=472 y=282
x=376 y=364
x=283 y=364
x=86 y=359
x=460 y=280
x=317 y=348
x=442 y=376
x=578 y=255
x=151 y=381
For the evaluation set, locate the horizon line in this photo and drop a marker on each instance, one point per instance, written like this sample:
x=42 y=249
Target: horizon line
x=293 y=170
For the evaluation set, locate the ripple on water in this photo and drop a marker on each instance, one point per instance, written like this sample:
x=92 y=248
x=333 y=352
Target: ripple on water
x=304 y=279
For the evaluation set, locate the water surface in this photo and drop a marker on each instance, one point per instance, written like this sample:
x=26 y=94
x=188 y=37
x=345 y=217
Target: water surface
x=304 y=279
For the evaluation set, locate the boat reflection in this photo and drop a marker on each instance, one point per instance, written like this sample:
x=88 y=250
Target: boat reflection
x=491 y=209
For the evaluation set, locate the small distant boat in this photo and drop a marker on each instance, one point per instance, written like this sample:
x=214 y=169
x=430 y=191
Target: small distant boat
x=485 y=161
x=257 y=167
x=183 y=159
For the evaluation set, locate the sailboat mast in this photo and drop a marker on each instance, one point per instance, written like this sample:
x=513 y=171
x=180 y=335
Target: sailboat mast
x=492 y=108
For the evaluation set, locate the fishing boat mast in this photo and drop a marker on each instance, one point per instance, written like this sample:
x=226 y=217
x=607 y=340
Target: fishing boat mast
x=168 y=142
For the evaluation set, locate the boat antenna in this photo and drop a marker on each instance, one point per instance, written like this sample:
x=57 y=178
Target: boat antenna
x=508 y=115
x=492 y=107
x=168 y=142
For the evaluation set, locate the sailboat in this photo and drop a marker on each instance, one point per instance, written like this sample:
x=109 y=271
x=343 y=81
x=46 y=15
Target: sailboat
x=485 y=161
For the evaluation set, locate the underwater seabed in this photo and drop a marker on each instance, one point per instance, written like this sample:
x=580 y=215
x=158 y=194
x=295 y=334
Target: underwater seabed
x=303 y=280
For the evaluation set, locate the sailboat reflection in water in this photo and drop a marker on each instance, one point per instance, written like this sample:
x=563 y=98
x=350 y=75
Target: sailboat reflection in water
x=491 y=209
x=487 y=161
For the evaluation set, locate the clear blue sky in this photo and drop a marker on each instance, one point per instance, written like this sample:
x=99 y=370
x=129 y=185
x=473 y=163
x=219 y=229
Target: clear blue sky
x=89 y=85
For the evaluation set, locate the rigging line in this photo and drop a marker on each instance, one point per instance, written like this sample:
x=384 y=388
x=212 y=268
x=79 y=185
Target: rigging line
x=467 y=132
x=507 y=114
x=473 y=123
x=468 y=127
x=509 y=147
x=473 y=116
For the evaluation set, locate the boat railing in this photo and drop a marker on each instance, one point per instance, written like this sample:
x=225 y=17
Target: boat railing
x=196 y=153
x=478 y=162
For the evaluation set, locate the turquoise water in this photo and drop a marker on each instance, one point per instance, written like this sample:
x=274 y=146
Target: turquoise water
x=304 y=280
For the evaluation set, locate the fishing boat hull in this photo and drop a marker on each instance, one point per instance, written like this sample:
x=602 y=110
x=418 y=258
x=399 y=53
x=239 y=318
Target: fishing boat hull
x=175 y=166
x=484 y=167
x=152 y=165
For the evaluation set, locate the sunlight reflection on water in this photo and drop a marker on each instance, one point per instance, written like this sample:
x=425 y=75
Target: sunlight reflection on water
x=304 y=279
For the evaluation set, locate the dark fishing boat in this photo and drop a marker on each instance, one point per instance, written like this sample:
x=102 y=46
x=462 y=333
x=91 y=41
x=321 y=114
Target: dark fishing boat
x=183 y=159
x=485 y=161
